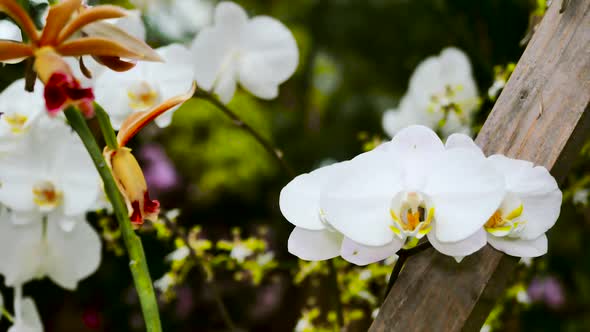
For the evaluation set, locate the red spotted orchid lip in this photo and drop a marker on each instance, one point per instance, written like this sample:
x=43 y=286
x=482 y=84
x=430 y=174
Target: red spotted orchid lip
x=62 y=89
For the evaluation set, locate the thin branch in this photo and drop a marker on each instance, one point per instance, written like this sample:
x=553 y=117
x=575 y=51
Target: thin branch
x=337 y=299
x=225 y=316
x=403 y=256
x=276 y=153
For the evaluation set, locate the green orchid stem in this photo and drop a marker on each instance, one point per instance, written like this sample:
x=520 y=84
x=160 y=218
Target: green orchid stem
x=138 y=264
x=7 y=314
x=105 y=127
x=274 y=152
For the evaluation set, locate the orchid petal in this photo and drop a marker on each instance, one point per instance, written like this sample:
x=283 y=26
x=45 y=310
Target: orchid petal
x=270 y=56
x=520 y=247
x=416 y=148
x=21 y=17
x=461 y=248
x=88 y=16
x=361 y=255
x=299 y=200
x=59 y=15
x=358 y=203
x=27 y=253
x=118 y=36
x=71 y=256
x=136 y=121
x=30 y=320
x=466 y=191
x=314 y=245
x=12 y=51
x=462 y=141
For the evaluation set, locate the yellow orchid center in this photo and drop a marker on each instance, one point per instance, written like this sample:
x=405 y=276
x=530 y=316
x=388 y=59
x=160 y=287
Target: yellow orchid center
x=16 y=122
x=501 y=224
x=446 y=100
x=142 y=96
x=413 y=219
x=46 y=195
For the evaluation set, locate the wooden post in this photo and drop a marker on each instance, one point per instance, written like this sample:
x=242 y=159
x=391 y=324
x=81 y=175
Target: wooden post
x=542 y=116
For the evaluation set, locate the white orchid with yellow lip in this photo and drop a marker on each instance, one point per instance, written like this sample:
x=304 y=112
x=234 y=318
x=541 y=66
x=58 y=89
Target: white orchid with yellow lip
x=19 y=110
x=442 y=92
x=529 y=209
x=413 y=187
x=260 y=53
x=313 y=237
x=146 y=86
x=50 y=171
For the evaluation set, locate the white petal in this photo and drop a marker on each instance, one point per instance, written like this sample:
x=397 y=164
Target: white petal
x=77 y=176
x=300 y=199
x=111 y=91
x=71 y=256
x=210 y=50
x=465 y=191
x=174 y=77
x=226 y=85
x=460 y=248
x=30 y=320
x=519 y=247
x=416 y=148
x=358 y=204
x=361 y=255
x=24 y=243
x=10 y=31
x=462 y=141
x=314 y=245
x=132 y=24
x=537 y=190
x=230 y=15
x=270 y=56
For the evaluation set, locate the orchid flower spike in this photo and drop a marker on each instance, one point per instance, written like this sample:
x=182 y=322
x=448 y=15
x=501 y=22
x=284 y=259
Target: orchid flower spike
x=126 y=169
x=528 y=210
x=260 y=53
x=58 y=39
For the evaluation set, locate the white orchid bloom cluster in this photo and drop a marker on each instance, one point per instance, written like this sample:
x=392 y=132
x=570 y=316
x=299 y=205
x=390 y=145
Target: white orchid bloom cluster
x=47 y=185
x=258 y=53
x=414 y=186
x=442 y=94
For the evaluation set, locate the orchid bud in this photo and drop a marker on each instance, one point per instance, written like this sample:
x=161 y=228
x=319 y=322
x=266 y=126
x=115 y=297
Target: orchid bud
x=132 y=185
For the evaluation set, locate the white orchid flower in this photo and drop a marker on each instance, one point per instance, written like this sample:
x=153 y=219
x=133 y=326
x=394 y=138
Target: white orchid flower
x=19 y=110
x=146 y=85
x=313 y=238
x=177 y=19
x=529 y=209
x=42 y=247
x=442 y=88
x=26 y=316
x=259 y=53
x=49 y=172
x=412 y=187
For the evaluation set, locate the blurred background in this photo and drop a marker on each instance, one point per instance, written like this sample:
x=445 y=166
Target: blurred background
x=220 y=188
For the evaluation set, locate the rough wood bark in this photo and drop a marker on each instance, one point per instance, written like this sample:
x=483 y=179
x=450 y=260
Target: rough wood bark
x=540 y=116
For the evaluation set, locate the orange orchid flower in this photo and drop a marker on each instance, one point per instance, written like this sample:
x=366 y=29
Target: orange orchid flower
x=59 y=39
x=126 y=169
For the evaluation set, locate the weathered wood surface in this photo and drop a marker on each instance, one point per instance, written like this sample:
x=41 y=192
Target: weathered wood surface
x=540 y=116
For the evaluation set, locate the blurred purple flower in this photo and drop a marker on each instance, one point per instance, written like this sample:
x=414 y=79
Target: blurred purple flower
x=547 y=290
x=160 y=173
